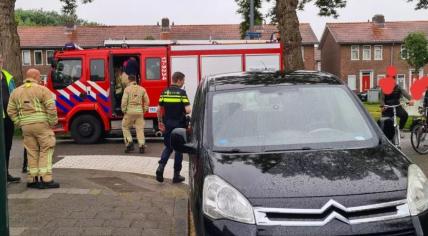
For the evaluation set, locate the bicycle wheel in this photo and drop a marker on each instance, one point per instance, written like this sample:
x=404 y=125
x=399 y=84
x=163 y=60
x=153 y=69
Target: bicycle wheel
x=419 y=139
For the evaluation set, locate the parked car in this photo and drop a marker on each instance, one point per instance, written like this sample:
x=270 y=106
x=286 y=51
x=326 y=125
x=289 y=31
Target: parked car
x=295 y=154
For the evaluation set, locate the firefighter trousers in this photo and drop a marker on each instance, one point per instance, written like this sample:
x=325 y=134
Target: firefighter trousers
x=133 y=120
x=39 y=141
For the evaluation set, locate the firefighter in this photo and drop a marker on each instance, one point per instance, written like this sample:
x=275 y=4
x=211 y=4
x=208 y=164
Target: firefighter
x=172 y=110
x=135 y=102
x=32 y=108
x=7 y=86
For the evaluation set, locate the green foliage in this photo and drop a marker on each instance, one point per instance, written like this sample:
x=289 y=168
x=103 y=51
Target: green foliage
x=244 y=10
x=416 y=46
x=69 y=9
x=421 y=4
x=44 y=18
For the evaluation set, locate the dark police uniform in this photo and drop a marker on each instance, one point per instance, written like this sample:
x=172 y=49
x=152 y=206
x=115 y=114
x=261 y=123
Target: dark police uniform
x=174 y=100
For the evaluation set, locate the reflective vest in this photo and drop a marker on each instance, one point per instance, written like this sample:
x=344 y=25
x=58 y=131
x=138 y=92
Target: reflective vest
x=10 y=84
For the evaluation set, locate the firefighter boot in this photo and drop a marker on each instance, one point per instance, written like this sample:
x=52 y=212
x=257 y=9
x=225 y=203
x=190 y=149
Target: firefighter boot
x=34 y=184
x=129 y=148
x=143 y=149
x=159 y=173
x=46 y=185
x=177 y=177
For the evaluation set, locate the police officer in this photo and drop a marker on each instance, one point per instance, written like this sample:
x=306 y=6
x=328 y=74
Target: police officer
x=135 y=102
x=172 y=110
x=32 y=108
x=7 y=86
x=394 y=99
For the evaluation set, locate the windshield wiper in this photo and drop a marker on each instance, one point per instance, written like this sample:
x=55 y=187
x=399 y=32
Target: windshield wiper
x=287 y=150
x=233 y=150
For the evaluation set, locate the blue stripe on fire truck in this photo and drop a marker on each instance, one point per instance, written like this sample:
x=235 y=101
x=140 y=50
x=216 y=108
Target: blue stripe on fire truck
x=65 y=110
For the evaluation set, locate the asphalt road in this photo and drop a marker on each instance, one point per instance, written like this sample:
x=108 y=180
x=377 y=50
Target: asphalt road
x=115 y=146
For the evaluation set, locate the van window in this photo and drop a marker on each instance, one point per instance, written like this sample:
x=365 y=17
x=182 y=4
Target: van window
x=67 y=72
x=97 y=70
x=153 y=68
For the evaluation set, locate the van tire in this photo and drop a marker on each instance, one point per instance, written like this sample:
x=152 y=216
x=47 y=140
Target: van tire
x=86 y=129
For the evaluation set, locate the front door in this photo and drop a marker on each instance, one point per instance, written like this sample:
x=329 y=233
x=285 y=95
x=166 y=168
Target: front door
x=365 y=82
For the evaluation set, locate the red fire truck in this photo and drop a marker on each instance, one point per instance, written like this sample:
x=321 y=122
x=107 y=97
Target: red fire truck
x=83 y=81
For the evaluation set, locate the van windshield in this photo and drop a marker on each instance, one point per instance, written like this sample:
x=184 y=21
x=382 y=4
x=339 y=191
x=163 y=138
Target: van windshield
x=288 y=117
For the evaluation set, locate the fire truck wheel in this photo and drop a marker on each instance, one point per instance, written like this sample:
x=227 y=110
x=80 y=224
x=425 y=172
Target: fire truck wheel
x=86 y=129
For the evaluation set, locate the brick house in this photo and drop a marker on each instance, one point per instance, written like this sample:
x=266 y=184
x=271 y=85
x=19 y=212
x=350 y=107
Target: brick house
x=359 y=53
x=39 y=43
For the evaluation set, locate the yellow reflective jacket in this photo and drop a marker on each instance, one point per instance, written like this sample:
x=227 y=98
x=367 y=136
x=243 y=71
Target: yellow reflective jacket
x=10 y=83
x=135 y=99
x=32 y=103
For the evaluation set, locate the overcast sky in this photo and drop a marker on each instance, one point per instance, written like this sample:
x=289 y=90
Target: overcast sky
x=149 y=12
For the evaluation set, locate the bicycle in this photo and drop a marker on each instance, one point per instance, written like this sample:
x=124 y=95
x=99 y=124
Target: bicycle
x=418 y=136
x=396 y=140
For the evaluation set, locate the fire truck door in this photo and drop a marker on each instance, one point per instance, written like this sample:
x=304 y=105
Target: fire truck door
x=98 y=89
x=154 y=76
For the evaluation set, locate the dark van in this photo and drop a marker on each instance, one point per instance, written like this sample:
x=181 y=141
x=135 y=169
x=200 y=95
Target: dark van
x=295 y=154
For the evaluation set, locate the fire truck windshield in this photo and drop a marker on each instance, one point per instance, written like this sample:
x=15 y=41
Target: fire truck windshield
x=67 y=71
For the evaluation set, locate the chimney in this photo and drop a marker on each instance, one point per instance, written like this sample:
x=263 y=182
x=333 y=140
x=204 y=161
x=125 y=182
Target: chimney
x=165 y=24
x=69 y=28
x=379 y=20
x=165 y=29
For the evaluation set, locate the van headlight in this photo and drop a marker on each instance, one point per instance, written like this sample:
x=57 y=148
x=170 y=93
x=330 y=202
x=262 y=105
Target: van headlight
x=417 y=190
x=221 y=200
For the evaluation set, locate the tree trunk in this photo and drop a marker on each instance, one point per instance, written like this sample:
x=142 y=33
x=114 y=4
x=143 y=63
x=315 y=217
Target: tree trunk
x=291 y=40
x=9 y=40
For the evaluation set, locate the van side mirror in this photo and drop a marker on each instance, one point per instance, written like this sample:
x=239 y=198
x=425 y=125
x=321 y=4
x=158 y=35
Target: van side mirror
x=179 y=141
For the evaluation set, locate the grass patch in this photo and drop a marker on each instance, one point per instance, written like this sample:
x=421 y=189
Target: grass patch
x=375 y=112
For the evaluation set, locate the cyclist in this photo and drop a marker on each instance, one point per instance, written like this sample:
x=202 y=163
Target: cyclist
x=393 y=99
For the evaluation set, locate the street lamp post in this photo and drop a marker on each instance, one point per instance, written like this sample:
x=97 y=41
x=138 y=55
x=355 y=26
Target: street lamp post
x=4 y=220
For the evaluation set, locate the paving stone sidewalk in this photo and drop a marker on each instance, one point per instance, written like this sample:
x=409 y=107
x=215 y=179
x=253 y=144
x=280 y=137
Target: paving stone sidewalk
x=92 y=202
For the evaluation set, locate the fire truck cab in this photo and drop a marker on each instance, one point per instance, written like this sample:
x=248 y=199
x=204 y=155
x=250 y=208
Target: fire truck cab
x=84 y=81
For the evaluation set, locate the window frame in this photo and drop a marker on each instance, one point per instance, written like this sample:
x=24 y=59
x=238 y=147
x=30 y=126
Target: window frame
x=160 y=68
x=355 y=82
x=369 y=47
x=23 y=60
x=41 y=57
x=379 y=47
x=47 y=58
x=357 y=49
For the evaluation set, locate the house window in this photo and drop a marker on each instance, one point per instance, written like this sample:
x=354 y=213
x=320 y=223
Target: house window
x=378 y=52
x=379 y=77
x=355 y=52
x=352 y=82
x=401 y=78
x=26 y=58
x=403 y=52
x=38 y=57
x=49 y=56
x=367 y=55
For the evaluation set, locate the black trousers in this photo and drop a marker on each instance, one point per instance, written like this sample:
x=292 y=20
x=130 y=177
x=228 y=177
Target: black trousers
x=8 y=136
x=401 y=113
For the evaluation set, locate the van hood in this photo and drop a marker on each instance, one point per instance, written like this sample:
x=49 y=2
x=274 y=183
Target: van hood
x=313 y=173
